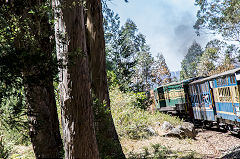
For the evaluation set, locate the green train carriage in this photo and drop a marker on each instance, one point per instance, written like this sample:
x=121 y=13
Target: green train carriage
x=174 y=98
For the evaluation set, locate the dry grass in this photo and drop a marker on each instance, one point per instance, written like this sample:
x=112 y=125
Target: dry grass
x=130 y=121
x=22 y=152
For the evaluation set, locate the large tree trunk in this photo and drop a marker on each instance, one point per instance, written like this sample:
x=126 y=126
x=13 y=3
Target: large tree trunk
x=43 y=119
x=107 y=137
x=77 y=117
x=37 y=71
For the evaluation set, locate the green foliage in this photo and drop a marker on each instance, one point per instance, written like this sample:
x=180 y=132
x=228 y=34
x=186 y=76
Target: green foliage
x=190 y=61
x=130 y=121
x=142 y=78
x=128 y=56
x=13 y=121
x=217 y=54
x=220 y=16
x=4 y=150
x=158 y=151
x=142 y=101
x=206 y=63
x=112 y=79
x=25 y=51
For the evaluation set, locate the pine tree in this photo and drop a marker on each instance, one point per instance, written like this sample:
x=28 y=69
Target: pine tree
x=190 y=61
x=161 y=73
x=206 y=62
x=142 y=78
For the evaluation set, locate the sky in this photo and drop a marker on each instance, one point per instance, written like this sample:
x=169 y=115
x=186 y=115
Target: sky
x=167 y=25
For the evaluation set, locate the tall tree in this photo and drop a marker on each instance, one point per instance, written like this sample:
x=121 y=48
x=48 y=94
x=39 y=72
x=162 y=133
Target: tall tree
x=190 y=61
x=123 y=52
x=142 y=78
x=75 y=86
x=220 y=16
x=161 y=72
x=231 y=55
x=28 y=30
x=107 y=138
x=206 y=62
x=111 y=23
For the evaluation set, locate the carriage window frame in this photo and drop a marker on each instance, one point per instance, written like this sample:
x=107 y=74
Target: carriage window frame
x=237 y=97
x=233 y=79
x=224 y=94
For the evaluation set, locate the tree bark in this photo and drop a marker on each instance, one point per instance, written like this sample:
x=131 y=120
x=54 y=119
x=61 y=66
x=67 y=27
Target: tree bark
x=43 y=119
x=37 y=71
x=77 y=117
x=107 y=138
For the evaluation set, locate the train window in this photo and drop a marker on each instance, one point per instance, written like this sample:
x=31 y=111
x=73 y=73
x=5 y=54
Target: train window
x=194 y=90
x=219 y=82
x=237 y=75
x=233 y=79
x=207 y=86
x=224 y=81
x=203 y=87
x=160 y=96
x=227 y=80
x=224 y=94
x=237 y=93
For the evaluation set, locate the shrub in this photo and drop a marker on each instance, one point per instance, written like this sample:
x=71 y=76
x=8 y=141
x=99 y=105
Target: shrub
x=131 y=121
x=141 y=100
x=4 y=150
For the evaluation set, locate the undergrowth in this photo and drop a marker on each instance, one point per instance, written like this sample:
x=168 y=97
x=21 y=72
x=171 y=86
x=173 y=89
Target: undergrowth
x=131 y=121
x=157 y=151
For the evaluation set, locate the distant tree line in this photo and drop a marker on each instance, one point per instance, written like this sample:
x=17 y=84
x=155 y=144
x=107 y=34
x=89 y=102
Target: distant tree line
x=216 y=17
x=129 y=57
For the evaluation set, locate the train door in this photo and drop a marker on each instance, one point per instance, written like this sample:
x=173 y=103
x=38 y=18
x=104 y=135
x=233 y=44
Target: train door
x=200 y=105
x=235 y=95
x=162 y=102
x=211 y=90
x=209 y=103
x=156 y=99
x=188 y=92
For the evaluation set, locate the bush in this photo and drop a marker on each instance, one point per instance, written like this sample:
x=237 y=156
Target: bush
x=141 y=100
x=156 y=151
x=132 y=121
x=4 y=150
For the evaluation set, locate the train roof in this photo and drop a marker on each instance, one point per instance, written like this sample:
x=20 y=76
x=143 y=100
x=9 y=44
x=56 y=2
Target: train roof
x=233 y=71
x=177 y=83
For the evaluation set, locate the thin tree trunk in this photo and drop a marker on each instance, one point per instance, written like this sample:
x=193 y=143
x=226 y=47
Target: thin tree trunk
x=107 y=137
x=77 y=117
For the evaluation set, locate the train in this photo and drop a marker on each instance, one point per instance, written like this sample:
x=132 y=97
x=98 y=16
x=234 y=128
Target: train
x=213 y=100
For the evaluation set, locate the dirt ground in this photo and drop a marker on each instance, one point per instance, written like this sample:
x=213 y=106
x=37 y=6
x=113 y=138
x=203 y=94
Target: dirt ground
x=208 y=143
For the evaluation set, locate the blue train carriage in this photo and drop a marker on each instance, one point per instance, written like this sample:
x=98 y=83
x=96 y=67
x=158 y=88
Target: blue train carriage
x=202 y=100
x=215 y=99
x=174 y=98
x=226 y=88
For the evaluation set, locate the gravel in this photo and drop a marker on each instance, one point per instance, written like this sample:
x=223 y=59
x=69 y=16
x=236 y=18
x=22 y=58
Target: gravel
x=208 y=143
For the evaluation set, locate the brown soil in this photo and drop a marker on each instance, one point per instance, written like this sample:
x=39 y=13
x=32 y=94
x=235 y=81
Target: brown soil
x=208 y=143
